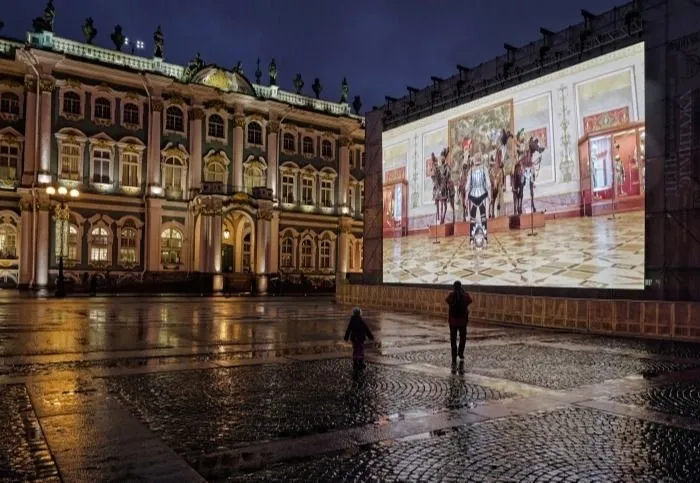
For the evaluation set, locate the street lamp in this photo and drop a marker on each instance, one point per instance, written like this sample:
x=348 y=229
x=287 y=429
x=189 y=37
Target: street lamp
x=61 y=194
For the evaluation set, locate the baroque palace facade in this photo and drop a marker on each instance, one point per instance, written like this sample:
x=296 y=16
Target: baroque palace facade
x=182 y=172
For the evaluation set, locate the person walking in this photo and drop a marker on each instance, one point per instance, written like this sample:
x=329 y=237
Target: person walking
x=357 y=332
x=458 y=316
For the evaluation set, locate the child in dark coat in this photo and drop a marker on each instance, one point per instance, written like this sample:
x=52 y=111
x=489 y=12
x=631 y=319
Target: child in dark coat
x=357 y=332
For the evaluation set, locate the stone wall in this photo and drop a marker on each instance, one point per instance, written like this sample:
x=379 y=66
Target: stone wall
x=637 y=318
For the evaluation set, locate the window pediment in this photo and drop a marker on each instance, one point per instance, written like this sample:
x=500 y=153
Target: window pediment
x=219 y=157
x=175 y=151
x=11 y=136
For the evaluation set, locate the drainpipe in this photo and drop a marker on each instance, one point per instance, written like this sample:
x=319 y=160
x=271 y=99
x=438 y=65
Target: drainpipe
x=27 y=58
x=145 y=185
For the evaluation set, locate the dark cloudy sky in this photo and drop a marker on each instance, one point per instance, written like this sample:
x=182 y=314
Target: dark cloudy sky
x=380 y=45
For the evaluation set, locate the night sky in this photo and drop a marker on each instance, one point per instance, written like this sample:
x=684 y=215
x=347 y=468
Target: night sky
x=380 y=45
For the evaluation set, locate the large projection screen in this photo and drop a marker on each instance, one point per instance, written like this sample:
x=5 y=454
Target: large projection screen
x=459 y=187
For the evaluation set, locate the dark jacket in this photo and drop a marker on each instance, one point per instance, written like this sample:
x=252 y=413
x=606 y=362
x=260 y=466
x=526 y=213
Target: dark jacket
x=358 y=330
x=459 y=308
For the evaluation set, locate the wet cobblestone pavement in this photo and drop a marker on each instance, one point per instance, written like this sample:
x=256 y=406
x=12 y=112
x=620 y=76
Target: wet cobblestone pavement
x=196 y=389
x=24 y=455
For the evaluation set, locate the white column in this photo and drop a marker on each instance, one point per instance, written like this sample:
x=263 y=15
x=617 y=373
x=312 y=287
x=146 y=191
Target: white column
x=46 y=86
x=202 y=234
x=274 y=255
x=342 y=250
x=344 y=168
x=273 y=128
x=41 y=274
x=216 y=253
x=154 y=143
x=195 y=171
x=239 y=123
x=262 y=242
x=155 y=214
x=26 y=242
x=30 y=127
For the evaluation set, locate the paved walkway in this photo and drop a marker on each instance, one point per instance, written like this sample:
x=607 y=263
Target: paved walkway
x=194 y=389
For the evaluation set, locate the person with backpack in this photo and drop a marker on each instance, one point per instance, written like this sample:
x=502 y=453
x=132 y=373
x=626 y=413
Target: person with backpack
x=458 y=316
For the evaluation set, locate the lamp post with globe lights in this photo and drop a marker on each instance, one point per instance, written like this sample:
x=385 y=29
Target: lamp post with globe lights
x=61 y=194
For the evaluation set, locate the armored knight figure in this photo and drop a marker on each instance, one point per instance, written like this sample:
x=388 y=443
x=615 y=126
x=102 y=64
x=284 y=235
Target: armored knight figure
x=478 y=188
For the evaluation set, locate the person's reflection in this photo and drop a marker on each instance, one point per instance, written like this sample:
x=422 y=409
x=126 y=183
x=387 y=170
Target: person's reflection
x=454 y=392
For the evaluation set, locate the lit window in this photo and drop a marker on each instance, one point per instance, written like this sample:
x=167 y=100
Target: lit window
x=130 y=169
x=307 y=145
x=8 y=242
x=127 y=245
x=288 y=188
x=103 y=109
x=172 y=175
x=326 y=193
x=9 y=103
x=288 y=143
x=100 y=245
x=170 y=246
x=216 y=126
x=307 y=254
x=70 y=161
x=253 y=177
x=215 y=173
x=326 y=149
x=71 y=103
x=351 y=199
x=101 y=160
x=255 y=134
x=307 y=191
x=287 y=253
x=9 y=161
x=174 y=119
x=68 y=242
x=325 y=254
x=131 y=114
x=246 y=253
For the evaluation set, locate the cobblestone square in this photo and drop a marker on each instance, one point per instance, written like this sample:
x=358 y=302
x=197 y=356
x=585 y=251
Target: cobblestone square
x=217 y=389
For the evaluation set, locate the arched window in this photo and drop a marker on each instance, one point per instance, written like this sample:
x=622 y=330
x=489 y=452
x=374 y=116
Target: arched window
x=172 y=175
x=215 y=173
x=101 y=165
x=254 y=177
x=326 y=149
x=174 y=119
x=246 y=253
x=216 y=126
x=288 y=143
x=70 y=157
x=8 y=242
x=287 y=253
x=68 y=241
x=9 y=103
x=326 y=193
x=9 y=160
x=307 y=145
x=170 y=246
x=307 y=254
x=103 y=109
x=325 y=254
x=99 y=249
x=127 y=245
x=131 y=114
x=71 y=103
x=254 y=133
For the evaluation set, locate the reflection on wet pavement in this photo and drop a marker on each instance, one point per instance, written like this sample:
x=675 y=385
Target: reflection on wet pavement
x=263 y=390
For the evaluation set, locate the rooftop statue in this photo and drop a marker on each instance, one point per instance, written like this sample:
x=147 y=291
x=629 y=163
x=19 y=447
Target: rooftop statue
x=317 y=87
x=238 y=68
x=357 y=104
x=344 y=89
x=158 y=43
x=193 y=66
x=298 y=83
x=258 y=72
x=89 y=30
x=45 y=22
x=272 y=72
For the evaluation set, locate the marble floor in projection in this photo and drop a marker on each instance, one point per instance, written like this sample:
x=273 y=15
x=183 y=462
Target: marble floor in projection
x=597 y=252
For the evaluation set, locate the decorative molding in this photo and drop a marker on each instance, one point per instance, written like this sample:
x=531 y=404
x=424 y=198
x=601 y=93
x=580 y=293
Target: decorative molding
x=273 y=127
x=30 y=83
x=239 y=121
x=266 y=213
x=197 y=113
x=47 y=85
x=157 y=105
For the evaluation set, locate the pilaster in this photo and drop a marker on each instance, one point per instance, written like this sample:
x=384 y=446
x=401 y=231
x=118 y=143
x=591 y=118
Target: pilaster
x=195 y=168
x=41 y=267
x=273 y=147
x=274 y=254
x=344 y=171
x=30 y=131
x=239 y=124
x=154 y=206
x=46 y=87
x=26 y=205
x=154 y=143
x=262 y=243
x=345 y=226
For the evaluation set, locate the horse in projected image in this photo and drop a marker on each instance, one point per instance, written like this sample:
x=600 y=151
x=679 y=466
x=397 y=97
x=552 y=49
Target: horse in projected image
x=525 y=171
